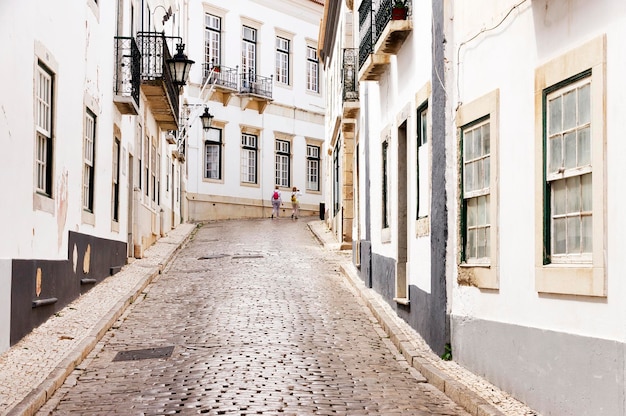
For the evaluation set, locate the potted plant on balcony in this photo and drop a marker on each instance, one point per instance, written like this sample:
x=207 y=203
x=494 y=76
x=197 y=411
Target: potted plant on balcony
x=216 y=68
x=399 y=10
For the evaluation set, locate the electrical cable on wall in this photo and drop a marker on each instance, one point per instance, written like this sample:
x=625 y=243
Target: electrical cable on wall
x=483 y=30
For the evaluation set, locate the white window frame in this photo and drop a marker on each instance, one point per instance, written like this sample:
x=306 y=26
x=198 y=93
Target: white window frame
x=282 y=165
x=249 y=146
x=212 y=41
x=423 y=161
x=312 y=70
x=44 y=89
x=213 y=154
x=477 y=191
x=584 y=277
x=115 y=198
x=248 y=54
x=558 y=175
x=313 y=167
x=283 y=51
x=153 y=170
x=89 y=142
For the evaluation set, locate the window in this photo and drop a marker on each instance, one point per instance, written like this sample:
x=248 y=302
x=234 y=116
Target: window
x=312 y=65
x=213 y=154
x=478 y=123
x=44 y=83
x=116 y=181
x=568 y=172
x=88 y=160
x=336 y=177
x=313 y=168
x=282 y=166
x=423 y=163
x=248 y=56
x=212 y=41
x=146 y=163
x=476 y=192
x=248 y=158
x=570 y=138
x=153 y=170
x=168 y=164
x=385 y=184
x=282 y=60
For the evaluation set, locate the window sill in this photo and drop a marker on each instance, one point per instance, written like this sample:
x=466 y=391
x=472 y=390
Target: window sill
x=43 y=203
x=88 y=218
x=402 y=301
x=570 y=280
x=482 y=276
x=385 y=236
x=422 y=227
x=211 y=180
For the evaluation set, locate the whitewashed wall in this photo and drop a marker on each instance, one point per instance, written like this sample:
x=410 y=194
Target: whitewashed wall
x=506 y=59
x=575 y=342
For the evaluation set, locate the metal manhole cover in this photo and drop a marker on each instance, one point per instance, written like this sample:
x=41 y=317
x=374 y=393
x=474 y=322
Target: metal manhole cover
x=212 y=257
x=144 y=354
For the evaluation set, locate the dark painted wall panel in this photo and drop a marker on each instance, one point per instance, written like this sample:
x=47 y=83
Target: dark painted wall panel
x=58 y=280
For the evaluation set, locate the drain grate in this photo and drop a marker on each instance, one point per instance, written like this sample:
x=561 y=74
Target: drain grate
x=212 y=256
x=144 y=354
x=248 y=256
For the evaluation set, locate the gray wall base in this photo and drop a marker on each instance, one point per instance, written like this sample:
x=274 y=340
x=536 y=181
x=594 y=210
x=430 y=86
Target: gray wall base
x=552 y=372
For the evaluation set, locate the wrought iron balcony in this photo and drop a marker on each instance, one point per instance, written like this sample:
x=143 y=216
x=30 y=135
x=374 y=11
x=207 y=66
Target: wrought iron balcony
x=256 y=85
x=127 y=75
x=255 y=91
x=224 y=82
x=349 y=75
x=381 y=35
x=156 y=80
x=350 y=83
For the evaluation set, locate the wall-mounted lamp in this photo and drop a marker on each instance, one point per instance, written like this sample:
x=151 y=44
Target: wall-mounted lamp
x=206 y=119
x=180 y=66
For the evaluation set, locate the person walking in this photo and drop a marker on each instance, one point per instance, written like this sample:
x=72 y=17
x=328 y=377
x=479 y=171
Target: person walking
x=276 y=202
x=295 y=202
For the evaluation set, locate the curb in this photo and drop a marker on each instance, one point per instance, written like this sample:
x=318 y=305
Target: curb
x=38 y=397
x=457 y=392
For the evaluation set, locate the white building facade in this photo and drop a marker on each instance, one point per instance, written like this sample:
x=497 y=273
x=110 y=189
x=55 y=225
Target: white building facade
x=87 y=103
x=381 y=184
x=260 y=78
x=536 y=222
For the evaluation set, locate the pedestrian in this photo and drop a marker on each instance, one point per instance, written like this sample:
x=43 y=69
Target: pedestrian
x=276 y=202
x=295 y=202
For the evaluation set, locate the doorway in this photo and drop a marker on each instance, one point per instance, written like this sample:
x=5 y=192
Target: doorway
x=402 y=241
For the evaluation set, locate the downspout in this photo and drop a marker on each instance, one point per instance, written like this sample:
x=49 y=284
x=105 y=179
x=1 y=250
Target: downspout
x=366 y=157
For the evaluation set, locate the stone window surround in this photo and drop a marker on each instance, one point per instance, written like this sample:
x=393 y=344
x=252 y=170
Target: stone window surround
x=574 y=279
x=484 y=276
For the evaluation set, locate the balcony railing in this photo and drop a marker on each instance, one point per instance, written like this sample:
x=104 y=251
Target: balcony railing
x=366 y=30
x=154 y=69
x=350 y=75
x=372 y=24
x=127 y=75
x=256 y=85
x=221 y=76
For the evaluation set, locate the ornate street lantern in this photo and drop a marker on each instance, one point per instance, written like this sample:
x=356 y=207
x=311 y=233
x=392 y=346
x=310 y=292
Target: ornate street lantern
x=179 y=66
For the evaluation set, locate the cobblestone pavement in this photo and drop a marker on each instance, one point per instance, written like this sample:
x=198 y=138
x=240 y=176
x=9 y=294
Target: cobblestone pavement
x=256 y=319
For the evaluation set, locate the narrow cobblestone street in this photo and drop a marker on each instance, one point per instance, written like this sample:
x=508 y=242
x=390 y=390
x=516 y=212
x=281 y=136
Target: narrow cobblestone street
x=251 y=317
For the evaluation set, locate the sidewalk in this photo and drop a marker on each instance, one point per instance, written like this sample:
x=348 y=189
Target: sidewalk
x=34 y=368
x=477 y=396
